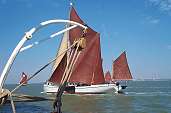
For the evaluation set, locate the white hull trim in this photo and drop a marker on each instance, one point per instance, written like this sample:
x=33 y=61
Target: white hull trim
x=93 y=89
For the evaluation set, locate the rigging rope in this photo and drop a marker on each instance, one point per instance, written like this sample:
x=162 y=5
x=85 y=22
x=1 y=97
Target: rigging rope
x=57 y=103
x=67 y=74
x=69 y=68
x=12 y=103
x=73 y=65
x=66 y=68
x=44 y=67
x=80 y=45
x=17 y=87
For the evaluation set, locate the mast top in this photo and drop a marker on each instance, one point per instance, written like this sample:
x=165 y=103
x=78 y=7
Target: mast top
x=71 y=4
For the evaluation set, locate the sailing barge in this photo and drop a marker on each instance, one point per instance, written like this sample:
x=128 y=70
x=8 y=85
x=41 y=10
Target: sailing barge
x=87 y=76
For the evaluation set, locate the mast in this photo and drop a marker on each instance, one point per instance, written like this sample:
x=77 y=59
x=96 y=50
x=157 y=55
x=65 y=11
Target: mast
x=121 y=69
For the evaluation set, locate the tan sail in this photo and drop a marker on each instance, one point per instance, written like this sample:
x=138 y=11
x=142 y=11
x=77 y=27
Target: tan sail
x=62 y=48
x=61 y=61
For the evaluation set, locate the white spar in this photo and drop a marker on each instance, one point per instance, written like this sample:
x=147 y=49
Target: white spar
x=51 y=36
x=27 y=36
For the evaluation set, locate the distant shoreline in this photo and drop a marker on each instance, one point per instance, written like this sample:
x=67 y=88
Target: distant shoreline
x=169 y=79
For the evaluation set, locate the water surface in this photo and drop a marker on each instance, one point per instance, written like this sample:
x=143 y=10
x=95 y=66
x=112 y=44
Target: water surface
x=139 y=97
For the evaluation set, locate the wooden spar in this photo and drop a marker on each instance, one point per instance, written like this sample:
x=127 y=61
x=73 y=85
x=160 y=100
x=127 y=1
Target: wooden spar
x=4 y=95
x=26 y=37
x=45 y=39
x=10 y=61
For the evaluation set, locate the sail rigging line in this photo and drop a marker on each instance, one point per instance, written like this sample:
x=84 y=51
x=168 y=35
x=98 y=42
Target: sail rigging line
x=80 y=45
x=57 y=103
x=12 y=103
x=47 y=38
x=73 y=65
x=72 y=62
x=69 y=68
x=68 y=53
x=66 y=68
x=28 y=36
x=43 y=67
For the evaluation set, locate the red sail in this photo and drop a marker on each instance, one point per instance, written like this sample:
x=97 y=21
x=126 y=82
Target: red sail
x=121 y=69
x=98 y=76
x=58 y=73
x=108 y=78
x=23 y=78
x=85 y=66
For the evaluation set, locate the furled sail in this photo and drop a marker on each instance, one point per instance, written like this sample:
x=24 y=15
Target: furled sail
x=121 y=69
x=85 y=67
x=108 y=78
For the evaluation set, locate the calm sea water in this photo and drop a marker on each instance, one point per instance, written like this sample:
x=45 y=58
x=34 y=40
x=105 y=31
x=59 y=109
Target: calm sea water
x=139 y=97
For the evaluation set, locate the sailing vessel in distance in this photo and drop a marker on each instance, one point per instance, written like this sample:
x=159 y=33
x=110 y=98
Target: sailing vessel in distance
x=121 y=69
x=87 y=76
x=108 y=78
x=23 y=79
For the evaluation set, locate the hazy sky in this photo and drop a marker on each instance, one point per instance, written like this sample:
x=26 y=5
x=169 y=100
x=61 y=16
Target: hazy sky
x=142 y=28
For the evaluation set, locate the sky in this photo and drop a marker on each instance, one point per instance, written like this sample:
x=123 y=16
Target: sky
x=141 y=28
